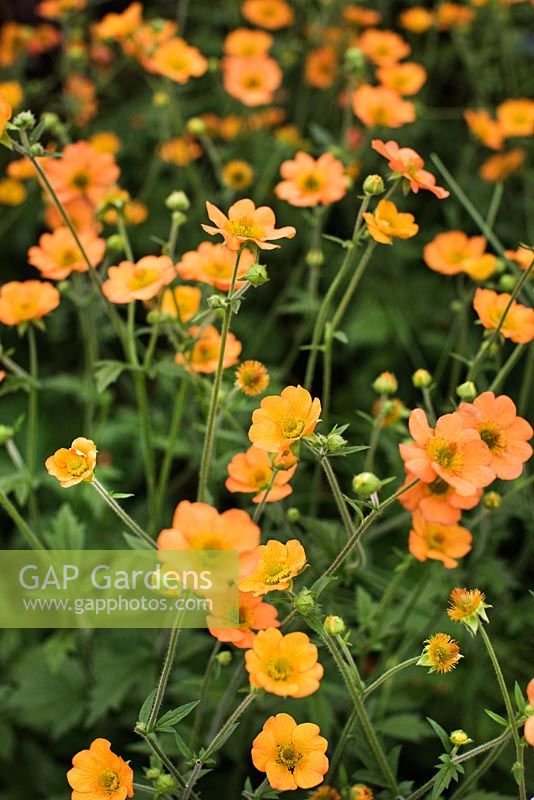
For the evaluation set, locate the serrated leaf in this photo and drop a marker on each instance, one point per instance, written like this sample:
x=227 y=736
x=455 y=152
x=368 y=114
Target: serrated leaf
x=66 y=530
x=144 y=711
x=440 y=732
x=107 y=373
x=182 y=746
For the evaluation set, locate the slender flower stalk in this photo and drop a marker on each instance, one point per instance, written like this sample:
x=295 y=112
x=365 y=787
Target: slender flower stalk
x=33 y=403
x=165 y=674
x=168 y=457
x=230 y=722
x=156 y=748
x=121 y=513
x=389 y=674
x=201 y=708
x=31 y=537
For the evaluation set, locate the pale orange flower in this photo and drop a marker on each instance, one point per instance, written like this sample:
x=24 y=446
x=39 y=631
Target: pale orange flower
x=13 y=39
x=486 y=129
x=181 y=302
x=270 y=14
x=11 y=91
x=23 y=301
x=501 y=166
x=518 y=324
x=310 y=182
x=99 y=774
x=361 y=792
x=284 y=665
x=361 y=16
x=204 y=354
x=254 y=615
x=409 y=164
x=516 y=117
x=274 y=566
x=21 y=169
x=181 y=150
x=55 y=9
x=81 y=97
x=453 y=252
x=247 y=44
x=105 y=142
x=281 y=420
x=252 y=377
x=451 y=451
x=380 y=106
x=5 y=112
x=177 y=60
x=81 y=173
x=140 y=281
x=383 y=47
x=12 y=192
x=80 y=212
x=386 y=223
x=406 y=78
x=146 y=41
x=437 y=501
x=252 y=472
x=503 y=431
x=529 y=724
x=322 y=67
x=119 y=26
x=57 y=254
x=453 y=15
x=253 y=81
x=416 y=19
x=74 y=464
x=246 y=223
x=522 y=256
x=42 y=38
x=438 y=542
x=213 y=264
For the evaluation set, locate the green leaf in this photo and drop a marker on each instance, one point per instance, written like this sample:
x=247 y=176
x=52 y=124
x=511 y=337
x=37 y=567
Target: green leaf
x=496 y=718
x=184 y=750
x=520 y=700
x=365 y=606
x=171 y=718
x=107 y=372
x=144 y=711
x=66 y=530
x=441 y=733
x=406 y=727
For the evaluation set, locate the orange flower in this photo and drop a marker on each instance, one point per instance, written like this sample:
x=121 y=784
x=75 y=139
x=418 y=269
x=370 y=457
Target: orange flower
x=310 y=182
x=55 y=9
x=270 y=14
x=140 y=281
x=484 y=128
x=383 y=47
x=361 y=792
x=181 y=302
x=416 y=19
x=11 y=91
x=453 y=252
x=247 y=44
x=98 y=774
x=253 y=81
x=437 y=501
x=21 y=170
x=529 y=724
x=74 y=464
x=213 y=264
x=80 y=94
x=361 y=16
x=181 y=150
x=441 y=653
x=516 y=117
x=518 y=324
x=13 y=38
x=468 y=607
x=451 y=451
x=500 y=166
x=81 y=173
x=57 y=254
x=322 y=66
x=80 y=212
x=409 y=164
x=284 y=665
x=5 y=112
x=246 y=223
x=276 y=564
x=252 y=377
x=199 y=526
x=177 y=60
x=105 y=142
x=293 y=756
x=12 y=192
x=386 y=223
x=120 y=26
x=42 y=38
x=237 y=174
x=252 y=472
x=26 y=300
x=433 y=540
x=522 y=256
x=505 y=434
x=146 y=41
x=378 y=105
x=204 y=354
x=453 y=15
x=254 y=615
x=281 y=420
x=406 y=79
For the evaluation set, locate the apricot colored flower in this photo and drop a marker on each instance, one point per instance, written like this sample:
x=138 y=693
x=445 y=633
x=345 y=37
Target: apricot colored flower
x=406 y=78
x=378 y=105
x=502 y=430
x=254 y=615
x=529 y=724
x=486 y=129
x=361 y=16
x=276 y=566
x=270 y=14
x=57 y=254
x=81 y=98
x=237 y=174
x=42 y=39
x=361 y=792
x=23 y=301
x=81 y=173
x=21 y=169
x=438 y=542
x=181 y=302
x=55 y=9
x=283 y=419
x=453 y=15
x=468 y=607
x=5 y=112
x=247 y=44
x=284 y=665
x=322 y=66
x=252 y=472
x=409 y=164
x=12 y=192
x=253 y=81
x=199 y=526
x=416 y=19
x=120 y=26
x=441 y=653
x=310 y=182
x=383 y=47
x=453 y=252
x=140 y=281
x=522 y=256
x=74 y=464
x=252 y=377
x=204 y=354
x=99 y=774
x=181 y=150
x=386 y=223
x=213 y=264
x=501 y=166
x=105 y=142
x=437 y=501
x=13 y=39
x=80 y=212
x=516 y=117
x=518 y=325
x=11 y=91
x=177 y=60
x=246 y=223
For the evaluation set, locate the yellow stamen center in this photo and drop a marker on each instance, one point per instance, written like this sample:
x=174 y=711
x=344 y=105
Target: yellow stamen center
x=110 y=781
x=292 y=428
x=288 y=757
x=279 y=669
x=275 y=572
x=491 y=435
x=245 y=227
x=445 y=454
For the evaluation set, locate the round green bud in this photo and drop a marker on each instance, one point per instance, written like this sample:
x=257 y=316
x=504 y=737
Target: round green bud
x=293 y=514
x=334 y=441
x=152 y=773
x=37 y=150
x=257 y=275
x=507 y=283
x=215 y=301
x=24 y=121
x=354 y=61
x=334 y=626
x=178 y=217
x=459 y=738
x=165 y=784
x=373 y=185
x=421 y=379
x=314 y=258
x=467 y=391
x=6 y=433
x=196 y=126
x=224 y=658
x=178 y=201
x=492 y=500
x=366 y=483
x=115 y=243
x=304 y=602
x=386 y=383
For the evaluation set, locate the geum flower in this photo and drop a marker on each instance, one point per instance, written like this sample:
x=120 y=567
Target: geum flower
x=437 y=501
x=518 y=325
x=309 y=182
x=252 y=377
x=254 y=615
x=252 y=472
x=529 y=723
x=74 y=464
x=386 y=223
x=24 y=301
x=380 y=106
x=213 y=264
x=177 y=60
x=438 y=542
x=468 y=607
x=246 y=223
x=81 y=173
x=293 y=756
x=284 y=665
x=281 y=420
x=203 y=356
x=57 y=254
x=441 y=653
x=271 y=14
x=99 y=774
x=181 y=302
x=252 y=81
x=453 y=252
x=274 y=567
x=140 y=281
x=406 y=162
x=452 y=451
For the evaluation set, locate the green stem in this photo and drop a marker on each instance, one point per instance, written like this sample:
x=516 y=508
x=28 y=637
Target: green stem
x=375 y=434
x=154 y=745
x=201 y=708
x=121 y=513
x=507 y=367
x=230 y=722
x=389 y=674
x=526 y=384
x=353 y=285
x=31 y=537
x=164 y=676
x=338 y=497
x=191 y=781
x=341 y=744
x=231 y=689
x=260 y=508
x=495 y=203
x=168 y=457
x=493 y=754
x=33 y=403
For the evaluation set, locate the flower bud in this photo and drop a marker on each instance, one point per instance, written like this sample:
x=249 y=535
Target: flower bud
x=196 y=126
x=160 y=99
x=507 y=283
x=224 y=658
x=52 y=122
x=314 y=258
x=178 y=201
x=467 y=391
x=366 y=483
x=36 y=150
x=6 y=433
x=492 y=500
x=373 y=185
x=304 y=602
x=115 y=243
x=334 y=441
x=216 y=301
x=354 y=61
x=257 y=275
x=421 y=379
x=386 y=383
x=165 y=784
x=459 y=738
x=293 y=514
x=24 y=121
x=178 y=217
x=153 y=773
x=334 y=626
x=360 y=792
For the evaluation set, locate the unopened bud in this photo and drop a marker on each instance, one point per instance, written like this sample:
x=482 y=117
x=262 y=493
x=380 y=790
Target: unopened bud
x=366 y=483
x=6 y=432
x=386 y=383
x=421 y=379
x=507 y=283
x=165 y=784
x=354 y=60
x=459 y=738
x=24 y=121
x=178 y=201
x=293 y=514
x=196 y=126
x=215 y=301
x=304 y=602
x=467 y=391
x=115 y=243
x=161 y=99
x=152 y=773
x=334 y=626
x=314 y=258
x=224 y=658
x=178 y=217
x=373 y=185
x=492 y=500
x=257 y=275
